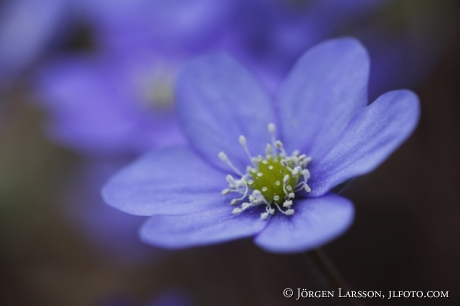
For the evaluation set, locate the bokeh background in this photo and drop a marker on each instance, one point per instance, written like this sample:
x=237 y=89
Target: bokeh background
x=61 y=245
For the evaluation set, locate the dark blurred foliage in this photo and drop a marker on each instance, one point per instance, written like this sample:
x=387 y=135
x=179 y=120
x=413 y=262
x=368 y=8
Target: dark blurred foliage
x=405 y=236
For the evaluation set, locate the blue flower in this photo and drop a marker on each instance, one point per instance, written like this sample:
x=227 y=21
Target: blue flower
x=110 y=104
x=119 y=101
x=320 y=134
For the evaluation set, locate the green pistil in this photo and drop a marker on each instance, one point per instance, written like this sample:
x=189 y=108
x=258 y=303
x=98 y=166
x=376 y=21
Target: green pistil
x=272 y=181
x=268 y=179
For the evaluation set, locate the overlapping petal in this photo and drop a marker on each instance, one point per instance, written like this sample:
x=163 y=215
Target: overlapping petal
x=172 y=180
x=315 y=222
x=327 y=86
x=214 y=225
x=217 y=101
x=370 y=137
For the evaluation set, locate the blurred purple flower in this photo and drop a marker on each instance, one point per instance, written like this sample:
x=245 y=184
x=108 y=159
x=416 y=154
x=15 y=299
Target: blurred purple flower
x=27 y=29
x=110 y=105
x=119 y=101
x=320 y=110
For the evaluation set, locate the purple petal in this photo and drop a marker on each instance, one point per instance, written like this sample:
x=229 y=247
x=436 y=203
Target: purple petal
x=172 y=180
x=207 y=227
x=217 y=101
x=315 y=222
x=371 y=136
x=324 y=90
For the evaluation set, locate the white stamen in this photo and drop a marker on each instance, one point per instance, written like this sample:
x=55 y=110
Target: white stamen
x=268 y=149
x=225 y=191
x=223 y=156
x=289 y=212
x=243 y=144
x=285 y=179
x=259 y=197
x=306 y=174
x=296 y=170
x=271 y=128
x=236 y=211
x=230 y=179
x=225 y=159
x=264 y=215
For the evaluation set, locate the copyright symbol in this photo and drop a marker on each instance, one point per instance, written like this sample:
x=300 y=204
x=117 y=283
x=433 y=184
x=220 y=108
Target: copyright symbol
x=288 y=293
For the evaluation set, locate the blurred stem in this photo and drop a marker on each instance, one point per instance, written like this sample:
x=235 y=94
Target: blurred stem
x=327 y=276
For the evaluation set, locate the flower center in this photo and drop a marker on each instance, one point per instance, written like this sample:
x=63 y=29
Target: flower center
x=157 y=88
x=271 y=181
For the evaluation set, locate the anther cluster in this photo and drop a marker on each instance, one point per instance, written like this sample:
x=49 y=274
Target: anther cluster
x=271 y=181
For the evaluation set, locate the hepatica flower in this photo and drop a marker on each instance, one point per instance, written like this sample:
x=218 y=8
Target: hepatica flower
x=261 y=167
x=110 y=104
x=118 y=100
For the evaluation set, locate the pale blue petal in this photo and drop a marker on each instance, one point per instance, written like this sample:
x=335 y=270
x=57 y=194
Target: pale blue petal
x=370 y=137
x=315 y=222
x=326 y=87
x=217 y=101
x=207 y=227
x=172 y=180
